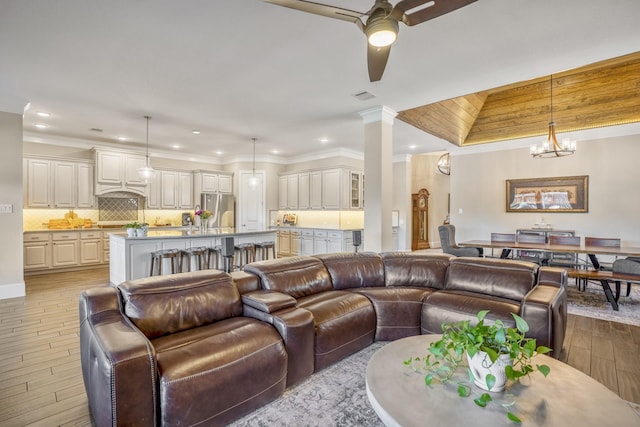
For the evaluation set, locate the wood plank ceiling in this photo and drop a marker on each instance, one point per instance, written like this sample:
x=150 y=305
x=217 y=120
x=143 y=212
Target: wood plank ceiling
x=606 y=93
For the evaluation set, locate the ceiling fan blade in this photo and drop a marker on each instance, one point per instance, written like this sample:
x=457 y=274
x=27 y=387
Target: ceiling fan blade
x=321 y=9
x=377 y=61
x=438 y=8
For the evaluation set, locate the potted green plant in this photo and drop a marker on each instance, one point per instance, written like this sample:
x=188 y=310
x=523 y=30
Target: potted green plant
x=495 y=353
x=142 y=229
x=132 y=228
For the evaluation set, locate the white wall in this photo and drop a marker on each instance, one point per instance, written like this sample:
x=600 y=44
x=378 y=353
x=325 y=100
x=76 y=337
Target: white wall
x=11 y=255
x=478 y=187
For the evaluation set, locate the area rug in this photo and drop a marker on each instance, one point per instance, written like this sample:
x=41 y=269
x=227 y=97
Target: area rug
x=335 y=396
x=593 y=303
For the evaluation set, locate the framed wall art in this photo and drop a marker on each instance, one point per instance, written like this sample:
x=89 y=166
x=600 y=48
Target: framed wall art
x=558 y=194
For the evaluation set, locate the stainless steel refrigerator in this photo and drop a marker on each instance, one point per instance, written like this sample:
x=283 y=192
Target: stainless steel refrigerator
x=222 y=208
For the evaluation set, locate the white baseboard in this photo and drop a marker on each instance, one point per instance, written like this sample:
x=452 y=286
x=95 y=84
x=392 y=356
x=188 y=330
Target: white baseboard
x=12 y=290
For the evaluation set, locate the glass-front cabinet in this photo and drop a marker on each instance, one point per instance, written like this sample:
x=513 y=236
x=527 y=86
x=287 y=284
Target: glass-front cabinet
x=356 y=190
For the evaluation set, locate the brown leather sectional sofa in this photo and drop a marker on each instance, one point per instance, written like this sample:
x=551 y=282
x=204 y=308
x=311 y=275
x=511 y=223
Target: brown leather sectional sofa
x=205 y=348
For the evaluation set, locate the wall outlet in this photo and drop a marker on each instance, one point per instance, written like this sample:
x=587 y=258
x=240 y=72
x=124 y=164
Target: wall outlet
x=6 y=209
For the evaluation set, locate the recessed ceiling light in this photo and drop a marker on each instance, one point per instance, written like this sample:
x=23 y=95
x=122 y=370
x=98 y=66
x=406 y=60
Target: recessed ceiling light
x=413 y=147
x=275 y=151
x=175 y=146
x=43 y=114
x=122 y=138
x=219 y=153
x=41 y=125
x=195 y=132
x=324 y=140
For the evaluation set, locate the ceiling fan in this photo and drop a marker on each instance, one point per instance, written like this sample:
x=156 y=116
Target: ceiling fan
x=381 y=24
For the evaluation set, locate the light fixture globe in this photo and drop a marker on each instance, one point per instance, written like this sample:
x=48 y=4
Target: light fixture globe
x=444 y=164
x=381 y=29
x=147 y=173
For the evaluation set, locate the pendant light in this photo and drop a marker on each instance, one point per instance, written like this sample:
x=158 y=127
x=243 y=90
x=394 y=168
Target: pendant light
x=550 y=148
x=147 y=173
x=253 y=181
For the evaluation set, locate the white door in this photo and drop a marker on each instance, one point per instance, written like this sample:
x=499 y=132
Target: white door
x=251 y=212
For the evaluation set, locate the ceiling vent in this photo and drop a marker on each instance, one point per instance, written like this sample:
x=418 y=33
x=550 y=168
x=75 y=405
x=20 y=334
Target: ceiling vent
x=95 y=130
x=363 y=96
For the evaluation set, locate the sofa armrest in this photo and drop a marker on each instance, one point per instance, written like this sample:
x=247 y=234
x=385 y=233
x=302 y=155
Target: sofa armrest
x=268 y=301
x=545 y=310
x=118 y=362
x=552 y=276
x=295 y=326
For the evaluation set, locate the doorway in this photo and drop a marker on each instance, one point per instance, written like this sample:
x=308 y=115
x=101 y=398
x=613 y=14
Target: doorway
x=251 y=212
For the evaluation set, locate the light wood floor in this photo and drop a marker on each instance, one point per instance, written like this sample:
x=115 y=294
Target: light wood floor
x=41 y=380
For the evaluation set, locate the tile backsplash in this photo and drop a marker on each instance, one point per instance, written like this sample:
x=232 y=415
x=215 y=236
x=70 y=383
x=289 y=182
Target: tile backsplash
x=119 y=208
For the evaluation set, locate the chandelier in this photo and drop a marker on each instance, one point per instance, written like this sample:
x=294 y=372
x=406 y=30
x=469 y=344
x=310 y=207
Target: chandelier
x=551 y=147
x=147 y=173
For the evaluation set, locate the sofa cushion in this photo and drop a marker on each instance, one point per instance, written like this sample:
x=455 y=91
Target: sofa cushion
x=344 y=323
x=296 y=276
x=354 y=270
x=497 y=278
x=216 y=373
x=419 y=269
x=398 y=310
x=453 y=306
x=163 y=305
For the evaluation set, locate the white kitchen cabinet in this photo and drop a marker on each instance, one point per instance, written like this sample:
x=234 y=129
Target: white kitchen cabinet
x=306 y=242
x=65 y=249
x=295 y=243
x=356 y=190
x=210 y=182
x=58 y=184
x=284 y=243
x=118 y=171
x=39 y=188
x=331 y=180
x=303 y=190
x=91 y=247
x=168 y=190
x=154 y=195
x=185 y=190
x=292 y=191
x=282 y=192
x=37 y=251
x=225 y=184
x=315 y=190
x=64 y=184
x=84 y=181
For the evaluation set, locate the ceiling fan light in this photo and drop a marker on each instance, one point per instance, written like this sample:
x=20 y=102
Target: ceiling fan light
x=382 y=32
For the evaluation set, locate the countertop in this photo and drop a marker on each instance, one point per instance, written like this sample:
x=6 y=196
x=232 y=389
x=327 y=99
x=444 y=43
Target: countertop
x=194 y=233
x=297 y=227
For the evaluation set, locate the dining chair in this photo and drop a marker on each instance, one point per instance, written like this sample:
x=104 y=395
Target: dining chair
x=608 y=242
x=448 y=243
x=567 y=260
x=503 y=238
x=629 y=265
x=532 y=255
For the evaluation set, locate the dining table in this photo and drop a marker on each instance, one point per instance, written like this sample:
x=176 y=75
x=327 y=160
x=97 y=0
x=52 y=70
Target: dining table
x=591 y=251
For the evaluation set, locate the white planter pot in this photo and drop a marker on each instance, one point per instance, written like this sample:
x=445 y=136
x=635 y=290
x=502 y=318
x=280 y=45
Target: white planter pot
x=131 y=232
x=142 y=231
x=481 y=366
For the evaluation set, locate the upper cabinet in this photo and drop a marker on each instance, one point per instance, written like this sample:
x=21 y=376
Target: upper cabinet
x=330 y=189
x=171 y=190
x=118 y=171
x=211 y=182
x=58 y=184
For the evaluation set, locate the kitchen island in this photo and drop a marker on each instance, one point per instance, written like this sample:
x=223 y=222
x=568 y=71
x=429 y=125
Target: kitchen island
x=130 y=257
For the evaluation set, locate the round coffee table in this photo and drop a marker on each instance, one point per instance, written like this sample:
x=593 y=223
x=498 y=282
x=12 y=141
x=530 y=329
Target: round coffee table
x=566 y=397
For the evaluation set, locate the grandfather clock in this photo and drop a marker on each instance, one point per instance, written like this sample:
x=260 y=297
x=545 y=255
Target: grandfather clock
x=420 y=220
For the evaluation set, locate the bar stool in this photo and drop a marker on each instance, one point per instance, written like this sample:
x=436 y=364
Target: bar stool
x=213 y=254
x=200 y=254
x=262 y=250
x=158 y=256
x=246 y=253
